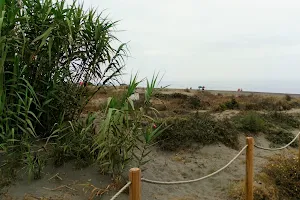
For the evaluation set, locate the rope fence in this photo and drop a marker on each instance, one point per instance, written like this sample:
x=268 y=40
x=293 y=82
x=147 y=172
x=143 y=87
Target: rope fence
x=194 y=180
x=135 y=173
x=280 y=148
x=121 y=190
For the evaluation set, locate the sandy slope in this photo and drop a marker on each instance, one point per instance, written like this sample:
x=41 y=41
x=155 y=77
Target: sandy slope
x=167 y=166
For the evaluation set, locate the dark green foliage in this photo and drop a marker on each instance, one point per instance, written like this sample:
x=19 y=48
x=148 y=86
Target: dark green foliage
x=194 y=102
x=250 y=122
x=232 y=104
x=199 y=128
x=229 y=105
x=281 y=137
x=46 y=48
x=288 y=97
x=171 y=96
x=73 y=141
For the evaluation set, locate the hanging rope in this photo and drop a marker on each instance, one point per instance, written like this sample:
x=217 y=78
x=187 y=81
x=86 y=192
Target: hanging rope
x=280 y=148
x=194 y=180
x=120 y=191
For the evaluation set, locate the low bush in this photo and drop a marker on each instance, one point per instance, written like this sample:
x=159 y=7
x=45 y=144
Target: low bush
x=229 y=105
x=268 y=103
x=250 y=122
x=76 y=143
x=194 y=102
x=281 y=137
x=284 y=172
x=199 y=128
x=282 y=120
x=279 y=179
x=288 y=97
x=170 y=96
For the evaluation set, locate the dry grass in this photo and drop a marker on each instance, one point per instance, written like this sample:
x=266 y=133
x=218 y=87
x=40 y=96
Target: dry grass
x=279 y=179
x=261 y=191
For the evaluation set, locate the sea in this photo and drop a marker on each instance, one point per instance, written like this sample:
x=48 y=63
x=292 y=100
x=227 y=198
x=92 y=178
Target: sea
x=274 y=86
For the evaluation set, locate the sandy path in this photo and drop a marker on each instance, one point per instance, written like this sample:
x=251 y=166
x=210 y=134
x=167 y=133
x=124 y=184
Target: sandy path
x=190 y=163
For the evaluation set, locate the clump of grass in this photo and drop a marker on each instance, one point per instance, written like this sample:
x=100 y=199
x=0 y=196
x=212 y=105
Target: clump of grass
x=288 y=97
x=76 y=142
x=250 y=122
x=199 y=128
x=229 y=105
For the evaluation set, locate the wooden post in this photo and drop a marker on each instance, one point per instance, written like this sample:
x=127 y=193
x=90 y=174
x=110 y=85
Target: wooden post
x=249 y=168
x=135 y=187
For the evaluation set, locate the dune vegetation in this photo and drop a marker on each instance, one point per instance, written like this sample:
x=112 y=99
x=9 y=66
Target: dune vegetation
x=47 y=118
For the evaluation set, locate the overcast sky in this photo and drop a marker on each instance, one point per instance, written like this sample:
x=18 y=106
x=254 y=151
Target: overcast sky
x=206 y=41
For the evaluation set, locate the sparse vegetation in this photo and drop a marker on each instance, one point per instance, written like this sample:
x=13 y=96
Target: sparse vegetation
x=194 y=102
x=279 y=179
x=280 y=138
x=48 y=47
x=282 y=120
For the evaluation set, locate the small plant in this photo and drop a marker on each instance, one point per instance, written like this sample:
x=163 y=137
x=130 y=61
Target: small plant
x=229 y=105
x=194 y=102
x=288 y=97
x=251 y=122
x=232 y=104
x=123 y=131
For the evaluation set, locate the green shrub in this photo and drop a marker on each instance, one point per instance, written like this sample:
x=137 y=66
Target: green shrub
x=229 y=105
x=283 y=120
x=75 y=143
x=251 y=122
x=194 y=102
x=47 y=47
x=232 y=104
x=199 y=128
x=281 y=137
